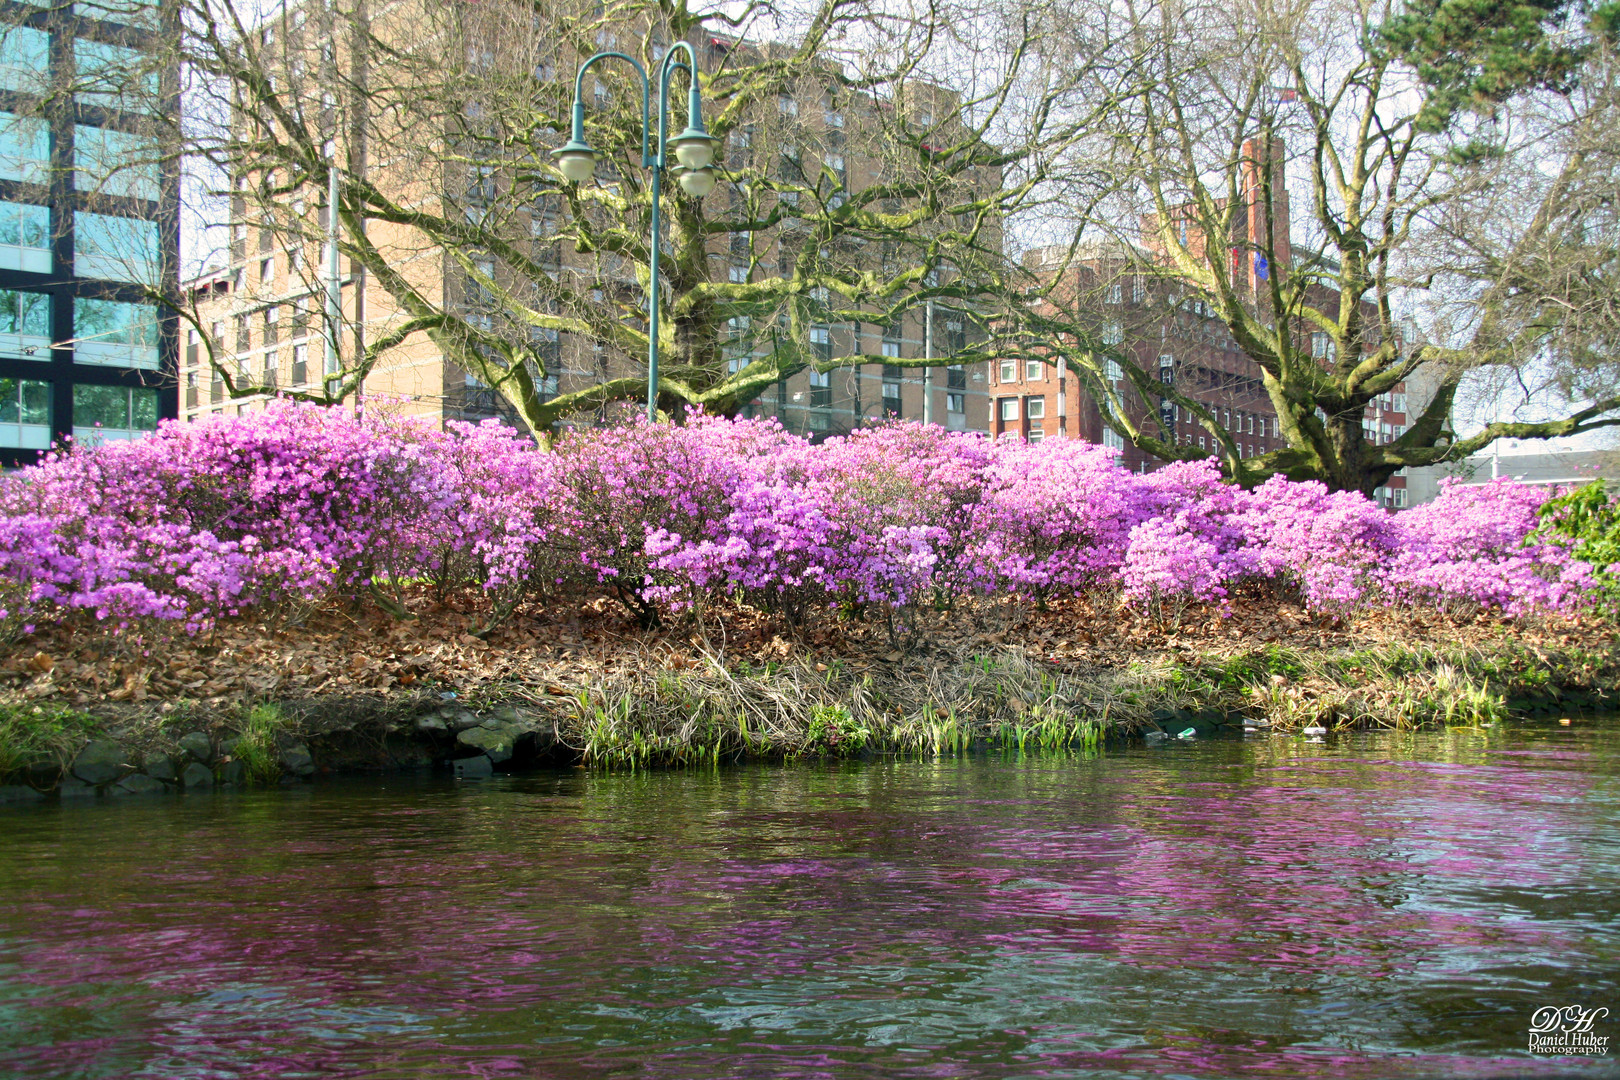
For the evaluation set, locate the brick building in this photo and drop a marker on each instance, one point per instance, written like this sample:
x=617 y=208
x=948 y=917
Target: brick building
x=1174 y=332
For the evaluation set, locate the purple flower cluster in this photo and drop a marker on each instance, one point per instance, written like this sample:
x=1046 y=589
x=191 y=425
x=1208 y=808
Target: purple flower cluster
x=299 y=505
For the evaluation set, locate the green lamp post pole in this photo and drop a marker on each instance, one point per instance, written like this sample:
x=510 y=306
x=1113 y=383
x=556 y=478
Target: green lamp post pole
x=694 y=150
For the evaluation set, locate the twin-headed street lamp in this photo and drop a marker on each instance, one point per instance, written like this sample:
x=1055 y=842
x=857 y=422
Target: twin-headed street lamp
x=694 y=151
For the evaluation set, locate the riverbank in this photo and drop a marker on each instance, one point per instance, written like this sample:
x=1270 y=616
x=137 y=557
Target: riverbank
x=262 y=703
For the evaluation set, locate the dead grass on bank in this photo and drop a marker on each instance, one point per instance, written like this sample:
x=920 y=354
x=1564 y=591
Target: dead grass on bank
x=739 y=682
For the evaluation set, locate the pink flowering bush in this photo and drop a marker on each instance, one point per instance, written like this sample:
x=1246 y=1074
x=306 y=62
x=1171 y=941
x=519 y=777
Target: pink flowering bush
x=1329 y=547
x=300 y=505
x=1472 y=547
x=637 y=494
x=1056 y=518
x=1191 y=546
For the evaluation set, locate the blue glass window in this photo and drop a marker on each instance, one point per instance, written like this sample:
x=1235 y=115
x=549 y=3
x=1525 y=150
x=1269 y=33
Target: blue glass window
x=111 y=413
x=114 y=163
x=25 y=237
x=115 y=248
x=111 y=333
x=25 y=325
x=142 y=13
x=114 y=77
x=25 y=414
x=24 y=59
x=25 y=149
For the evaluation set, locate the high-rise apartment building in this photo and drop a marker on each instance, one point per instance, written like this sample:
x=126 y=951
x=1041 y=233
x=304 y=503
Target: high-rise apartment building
x=88 y=226
x=263 y=308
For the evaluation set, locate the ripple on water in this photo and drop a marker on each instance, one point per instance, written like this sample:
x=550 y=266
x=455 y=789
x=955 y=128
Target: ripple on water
x=1379 y=906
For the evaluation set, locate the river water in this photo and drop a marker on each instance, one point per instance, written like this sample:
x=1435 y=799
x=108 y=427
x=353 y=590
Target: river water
x=1373 y=906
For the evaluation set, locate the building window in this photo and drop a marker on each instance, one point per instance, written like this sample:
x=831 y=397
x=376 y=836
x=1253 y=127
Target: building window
x=112 y=413
x=111 y=333
x=24 y=59
x=25 y=147
x=1167 y=370
x=142 y=13
x=115 y=248
x=300 y=365
x=481 y=184
x=789 y=169
x=25 y=414
x=114 y=163
x=25 y=325
x=1036 y=435
x=1007 y=409
x=1323 y=346
x=739 y=274
x=1116 y=293
x=956 y=377
x=1033 y=370
x=1113 y=440
x=267 y=271
x=821 y=342
x=25 y=237
x=1009 y=371
x=114 y=77
x=1113 y=371
x=956 y=403
x=835 y=162
x=1113 y=334
x=787 y=105
x=820 y=389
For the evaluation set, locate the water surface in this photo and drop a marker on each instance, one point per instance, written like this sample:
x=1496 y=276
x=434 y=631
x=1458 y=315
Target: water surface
x=1377 y=906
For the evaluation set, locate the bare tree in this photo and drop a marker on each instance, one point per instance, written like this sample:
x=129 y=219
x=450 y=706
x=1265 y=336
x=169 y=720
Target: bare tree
x=1432 y=184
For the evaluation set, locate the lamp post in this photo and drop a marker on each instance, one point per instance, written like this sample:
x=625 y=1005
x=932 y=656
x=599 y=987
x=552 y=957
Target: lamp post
x=694 y=150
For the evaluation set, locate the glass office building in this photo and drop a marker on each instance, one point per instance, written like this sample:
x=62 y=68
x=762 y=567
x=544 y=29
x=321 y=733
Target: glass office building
x=88 y=226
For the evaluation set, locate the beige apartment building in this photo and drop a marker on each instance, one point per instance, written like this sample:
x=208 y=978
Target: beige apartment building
x=263 y=309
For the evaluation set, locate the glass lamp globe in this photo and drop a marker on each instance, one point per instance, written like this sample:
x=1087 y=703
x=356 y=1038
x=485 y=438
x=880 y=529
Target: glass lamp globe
x=694 y=150
x=697 y=182
x=577 y=165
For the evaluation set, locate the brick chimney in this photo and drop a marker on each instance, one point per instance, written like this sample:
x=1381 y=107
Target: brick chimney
x=1249 y=226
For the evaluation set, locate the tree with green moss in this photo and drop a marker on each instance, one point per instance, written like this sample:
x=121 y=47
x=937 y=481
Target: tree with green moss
x=1452 y=168
x=868 y=160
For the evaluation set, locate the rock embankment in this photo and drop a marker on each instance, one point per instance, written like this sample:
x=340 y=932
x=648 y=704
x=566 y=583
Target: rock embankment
x=469 y=743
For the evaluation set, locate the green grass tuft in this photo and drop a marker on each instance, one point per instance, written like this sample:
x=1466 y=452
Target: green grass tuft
x=31 y=734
